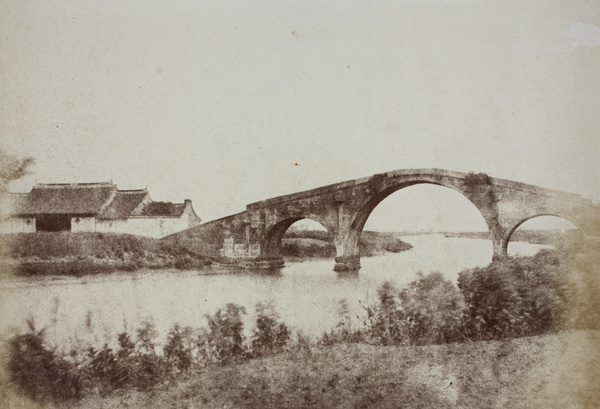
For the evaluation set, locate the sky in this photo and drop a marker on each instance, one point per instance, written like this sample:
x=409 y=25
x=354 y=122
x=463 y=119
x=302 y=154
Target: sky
x=231 y=102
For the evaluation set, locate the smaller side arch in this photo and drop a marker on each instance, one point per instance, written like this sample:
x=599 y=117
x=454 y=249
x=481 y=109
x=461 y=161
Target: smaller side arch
x=508 y=236
x=271 y=244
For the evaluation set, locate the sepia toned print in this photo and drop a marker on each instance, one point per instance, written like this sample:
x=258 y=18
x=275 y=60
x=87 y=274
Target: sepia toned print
x=299 y=204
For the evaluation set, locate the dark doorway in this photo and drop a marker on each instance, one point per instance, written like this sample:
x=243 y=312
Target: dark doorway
x=52 y=222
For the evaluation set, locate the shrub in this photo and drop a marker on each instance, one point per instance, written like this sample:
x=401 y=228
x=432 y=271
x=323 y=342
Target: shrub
x=344 y=331
x=102 y=370
x=135 y=364
x=270 y=335
x=432 y=310
x=521 y=297
x=428 y=311
x=384 y=321
x=149 y=366
x=225 y=338
x=179 y=347
x=39 y=373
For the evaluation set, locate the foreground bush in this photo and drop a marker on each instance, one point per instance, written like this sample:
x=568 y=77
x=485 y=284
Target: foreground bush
x=270 y=336
x=521 y=297
x=43 y=375
x=429 y=311
x=525 y=296
x=432 y=309
x=344 y=331
x=179 y=349
x=39 y=373
x=225 y=338
x=132 y=365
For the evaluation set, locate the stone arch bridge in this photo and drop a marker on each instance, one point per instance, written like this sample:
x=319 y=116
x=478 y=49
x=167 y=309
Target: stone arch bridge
x=343 y=209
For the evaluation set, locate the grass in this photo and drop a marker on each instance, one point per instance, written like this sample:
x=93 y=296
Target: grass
x=69 y=253
x=550 y=371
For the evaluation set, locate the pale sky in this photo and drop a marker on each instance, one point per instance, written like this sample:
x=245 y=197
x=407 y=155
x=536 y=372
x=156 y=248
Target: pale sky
x=232 y=102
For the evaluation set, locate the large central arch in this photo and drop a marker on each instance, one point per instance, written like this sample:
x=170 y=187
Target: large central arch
x=365 y=211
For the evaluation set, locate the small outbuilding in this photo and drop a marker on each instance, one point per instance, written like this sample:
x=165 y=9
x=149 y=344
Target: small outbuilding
x=94 y=207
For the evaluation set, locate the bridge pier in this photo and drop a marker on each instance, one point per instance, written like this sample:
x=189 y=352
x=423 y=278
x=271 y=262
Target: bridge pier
x=347 y=263
x=268 y=263
x=500 y=249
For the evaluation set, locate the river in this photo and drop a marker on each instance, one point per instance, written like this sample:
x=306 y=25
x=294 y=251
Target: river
x=92 y=310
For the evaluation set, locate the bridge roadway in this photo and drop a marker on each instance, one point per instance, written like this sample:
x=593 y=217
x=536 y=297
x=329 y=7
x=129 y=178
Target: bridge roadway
x=343 y=209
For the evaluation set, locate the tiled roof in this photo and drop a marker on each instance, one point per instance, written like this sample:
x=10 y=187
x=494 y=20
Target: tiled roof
x=77 y=199
x=163 y=209
x=123 y=204
x=102 y=200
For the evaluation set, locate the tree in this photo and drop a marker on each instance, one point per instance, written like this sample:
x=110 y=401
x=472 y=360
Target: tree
x=433 y=309
x=271 y=335
x=522 y=297
x=13 y=168
x=428 y=311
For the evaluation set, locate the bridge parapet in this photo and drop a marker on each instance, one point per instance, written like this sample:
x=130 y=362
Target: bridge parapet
x=417 y=174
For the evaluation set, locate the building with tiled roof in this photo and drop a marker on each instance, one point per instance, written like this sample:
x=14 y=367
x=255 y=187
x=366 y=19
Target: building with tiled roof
x=94 y=207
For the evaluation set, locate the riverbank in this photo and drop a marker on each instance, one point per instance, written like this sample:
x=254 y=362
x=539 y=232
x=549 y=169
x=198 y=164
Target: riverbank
x=549 y=371
x=304 y=244
x=76 y=254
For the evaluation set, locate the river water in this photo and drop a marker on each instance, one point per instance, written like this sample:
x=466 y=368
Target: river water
x=93 y=310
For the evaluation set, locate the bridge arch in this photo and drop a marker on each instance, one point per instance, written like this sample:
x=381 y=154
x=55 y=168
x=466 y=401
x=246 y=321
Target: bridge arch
x=271 y=245
x=365 y=211
x=514 y=228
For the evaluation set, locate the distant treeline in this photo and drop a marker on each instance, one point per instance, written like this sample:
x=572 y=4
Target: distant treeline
x=318 y=243
x=552 y=237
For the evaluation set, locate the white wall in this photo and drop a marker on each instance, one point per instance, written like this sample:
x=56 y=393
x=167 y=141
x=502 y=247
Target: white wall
x=141 y=226
x=83 y=224
x=18 y=225
x=144 y=226
x=157 y=227
x=111 y=226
